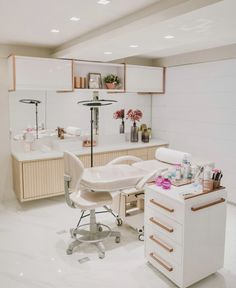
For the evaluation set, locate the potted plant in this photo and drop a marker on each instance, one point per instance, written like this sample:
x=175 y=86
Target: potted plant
x=112 y=81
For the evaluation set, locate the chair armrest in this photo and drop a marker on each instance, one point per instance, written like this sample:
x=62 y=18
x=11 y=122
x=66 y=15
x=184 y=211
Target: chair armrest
x=67 y=180
x=145 y=179
x=122 y=159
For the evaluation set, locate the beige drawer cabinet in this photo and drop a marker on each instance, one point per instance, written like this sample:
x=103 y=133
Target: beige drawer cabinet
x=43 y=178
x=185 y=238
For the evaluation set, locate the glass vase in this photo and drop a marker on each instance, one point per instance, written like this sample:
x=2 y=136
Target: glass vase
x=122 y=127
x=134 y=133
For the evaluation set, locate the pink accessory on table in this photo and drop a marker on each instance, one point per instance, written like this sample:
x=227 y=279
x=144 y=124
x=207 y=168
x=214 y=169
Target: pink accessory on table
x=166 y=183
x=159 y=180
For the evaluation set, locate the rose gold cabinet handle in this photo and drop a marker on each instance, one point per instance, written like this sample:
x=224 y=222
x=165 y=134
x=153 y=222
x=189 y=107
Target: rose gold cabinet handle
x=169 y=229
x=165 y=265
x=162 y=206
x=208 y=205
x=163 y=245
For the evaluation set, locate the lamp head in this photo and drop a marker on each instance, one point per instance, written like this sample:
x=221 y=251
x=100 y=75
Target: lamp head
x=30 y=101
x=96 y=103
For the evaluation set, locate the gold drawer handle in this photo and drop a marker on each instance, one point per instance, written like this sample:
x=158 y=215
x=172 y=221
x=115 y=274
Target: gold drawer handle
x=162 y=206
x=169 y=229
x=165 y=265
x=208 y=205
x=163 y=245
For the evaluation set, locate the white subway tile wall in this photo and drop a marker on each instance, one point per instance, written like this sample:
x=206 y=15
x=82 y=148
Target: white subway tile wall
x=198 y=114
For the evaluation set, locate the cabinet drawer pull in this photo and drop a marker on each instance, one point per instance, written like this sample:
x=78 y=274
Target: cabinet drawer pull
x=169 y=229
x=221 y=200
x=165 y=265
x=162 y=206
x=163 y=245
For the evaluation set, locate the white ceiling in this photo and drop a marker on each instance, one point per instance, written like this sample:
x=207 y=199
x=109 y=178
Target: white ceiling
x=28 y=22
x=115 y=26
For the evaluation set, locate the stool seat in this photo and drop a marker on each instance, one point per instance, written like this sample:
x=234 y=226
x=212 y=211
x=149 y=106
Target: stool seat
x=90 y=200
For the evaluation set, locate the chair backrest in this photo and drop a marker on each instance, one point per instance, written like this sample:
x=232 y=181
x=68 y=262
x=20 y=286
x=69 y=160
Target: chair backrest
x=73 y=168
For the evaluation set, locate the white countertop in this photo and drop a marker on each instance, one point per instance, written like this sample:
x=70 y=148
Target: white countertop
x=40 y=155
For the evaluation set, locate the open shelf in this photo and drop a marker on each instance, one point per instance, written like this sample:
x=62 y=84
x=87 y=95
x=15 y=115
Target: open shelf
x=83 y=68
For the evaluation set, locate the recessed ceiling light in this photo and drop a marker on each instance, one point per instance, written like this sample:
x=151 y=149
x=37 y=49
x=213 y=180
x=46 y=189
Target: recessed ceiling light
x=74 y=18
x=55 y=30
x=107 y=53
x=169 y=37
x=103 y=2
x=133 y=46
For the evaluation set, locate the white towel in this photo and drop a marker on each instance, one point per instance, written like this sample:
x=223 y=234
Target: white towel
x=73 y=131
x=171 y=156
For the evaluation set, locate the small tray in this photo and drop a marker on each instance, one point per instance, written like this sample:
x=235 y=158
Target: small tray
x=181 y=182
x=87 y=143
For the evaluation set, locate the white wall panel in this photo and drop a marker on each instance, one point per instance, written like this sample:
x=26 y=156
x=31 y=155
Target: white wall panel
x=198 y=114
x=61 y=109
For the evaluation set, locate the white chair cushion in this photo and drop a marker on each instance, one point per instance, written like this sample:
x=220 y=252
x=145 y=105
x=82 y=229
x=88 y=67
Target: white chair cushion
x=152 y=165
x=90 y=200
x=112 y=177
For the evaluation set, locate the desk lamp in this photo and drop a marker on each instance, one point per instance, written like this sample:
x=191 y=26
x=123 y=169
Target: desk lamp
x=94 y=104
x=35 y=102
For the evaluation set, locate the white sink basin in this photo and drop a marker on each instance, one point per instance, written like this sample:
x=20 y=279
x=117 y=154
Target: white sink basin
x=67 y=145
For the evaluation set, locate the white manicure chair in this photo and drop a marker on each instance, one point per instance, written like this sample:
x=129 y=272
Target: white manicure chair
x=136 y=192
x=80 y=197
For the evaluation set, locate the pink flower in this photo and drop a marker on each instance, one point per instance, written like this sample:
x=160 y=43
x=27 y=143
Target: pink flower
x=119 y=114
x=134 y=115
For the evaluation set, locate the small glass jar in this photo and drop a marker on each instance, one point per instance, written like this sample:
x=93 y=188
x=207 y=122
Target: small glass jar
x=145 y=136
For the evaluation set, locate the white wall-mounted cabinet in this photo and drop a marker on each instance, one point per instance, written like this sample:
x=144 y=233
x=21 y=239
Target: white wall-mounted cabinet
x=145 y=79
x=31 y=73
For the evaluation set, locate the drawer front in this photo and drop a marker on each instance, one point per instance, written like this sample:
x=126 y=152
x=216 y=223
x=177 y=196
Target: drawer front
x=163 y=224
x=165 y=205
x=165 y=247
x=172 y=270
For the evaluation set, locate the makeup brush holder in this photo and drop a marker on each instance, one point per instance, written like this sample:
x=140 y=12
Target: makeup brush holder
x=216 y=184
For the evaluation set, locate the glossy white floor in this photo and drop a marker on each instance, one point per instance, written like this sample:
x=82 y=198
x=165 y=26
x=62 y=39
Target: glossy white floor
x=33 y=243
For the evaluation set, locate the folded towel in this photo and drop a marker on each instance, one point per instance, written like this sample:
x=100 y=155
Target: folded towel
x=73 y=130
x=171 y=156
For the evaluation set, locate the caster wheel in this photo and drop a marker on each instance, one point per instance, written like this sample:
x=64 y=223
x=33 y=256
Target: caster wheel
x=73 y=233
x=101 y=255
x=117 y=239
x=100 y=228
x=119 y=221
x=68 y=251
x=141 y=237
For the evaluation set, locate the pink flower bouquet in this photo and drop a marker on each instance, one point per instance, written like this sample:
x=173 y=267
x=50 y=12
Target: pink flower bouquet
x=119 y=114
x=134 y=115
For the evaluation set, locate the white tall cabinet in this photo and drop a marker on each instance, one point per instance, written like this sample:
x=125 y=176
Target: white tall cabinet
x=185 y=238
x=32 y=73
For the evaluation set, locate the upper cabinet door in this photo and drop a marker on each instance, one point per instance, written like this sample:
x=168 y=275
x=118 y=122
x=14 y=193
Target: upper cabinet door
x=145 y=79
x=30 y=73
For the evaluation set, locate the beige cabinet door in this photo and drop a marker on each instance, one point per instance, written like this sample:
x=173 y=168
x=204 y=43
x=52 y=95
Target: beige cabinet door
x=43 y=178
x=141 y=153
